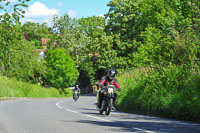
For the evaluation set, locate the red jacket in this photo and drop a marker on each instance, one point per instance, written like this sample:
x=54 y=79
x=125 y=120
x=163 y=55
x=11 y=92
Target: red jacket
x=105 y=79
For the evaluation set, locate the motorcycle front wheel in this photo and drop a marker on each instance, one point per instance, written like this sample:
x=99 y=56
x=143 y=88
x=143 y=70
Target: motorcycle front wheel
x=75 y=97
x=109 y=107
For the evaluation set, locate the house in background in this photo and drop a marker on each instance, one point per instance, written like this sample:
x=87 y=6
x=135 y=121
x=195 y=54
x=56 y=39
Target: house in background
x=44 y=41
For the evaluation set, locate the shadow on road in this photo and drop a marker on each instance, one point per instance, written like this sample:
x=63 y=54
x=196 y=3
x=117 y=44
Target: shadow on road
x=135 y=126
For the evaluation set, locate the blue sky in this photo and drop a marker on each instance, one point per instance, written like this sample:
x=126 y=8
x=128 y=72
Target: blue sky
x=43 y=10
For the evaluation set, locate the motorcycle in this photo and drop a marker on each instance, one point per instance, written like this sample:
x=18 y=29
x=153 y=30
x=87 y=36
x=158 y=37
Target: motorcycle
x=75 y=97
x=108 y=96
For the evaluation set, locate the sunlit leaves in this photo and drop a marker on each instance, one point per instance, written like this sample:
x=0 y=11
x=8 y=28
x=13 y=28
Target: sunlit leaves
x=9 y=34
x=61 y=69
x=130 y=19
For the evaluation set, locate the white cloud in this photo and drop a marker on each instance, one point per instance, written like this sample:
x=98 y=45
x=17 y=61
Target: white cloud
x=72 y=13
x=39 y=13
x=59 y=4
x=36 y=20
x=38 y=10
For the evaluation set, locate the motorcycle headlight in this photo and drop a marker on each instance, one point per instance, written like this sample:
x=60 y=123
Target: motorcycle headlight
x=110 y=90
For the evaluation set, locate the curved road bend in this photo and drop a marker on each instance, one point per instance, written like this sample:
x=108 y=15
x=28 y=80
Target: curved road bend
x=67 y=116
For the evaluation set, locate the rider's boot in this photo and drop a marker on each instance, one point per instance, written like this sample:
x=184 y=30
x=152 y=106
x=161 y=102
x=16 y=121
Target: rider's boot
x=98 y=107
x=113 y=108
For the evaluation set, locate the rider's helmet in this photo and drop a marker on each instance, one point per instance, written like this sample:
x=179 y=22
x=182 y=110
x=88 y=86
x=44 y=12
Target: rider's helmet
x=76 y=86
x=111 y=73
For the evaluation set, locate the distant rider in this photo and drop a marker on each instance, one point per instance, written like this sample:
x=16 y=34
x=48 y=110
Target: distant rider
x=109 y=79
x=76 y=89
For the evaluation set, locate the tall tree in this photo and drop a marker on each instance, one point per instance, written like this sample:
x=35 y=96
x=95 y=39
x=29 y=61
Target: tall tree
x=173 y=20
x=36 y=32
x=8 y=33
x=71 y=37
x=18 y=57
x=94 y=26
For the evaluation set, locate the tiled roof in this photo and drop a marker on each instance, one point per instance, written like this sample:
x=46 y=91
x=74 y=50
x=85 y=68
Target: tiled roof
x=54 y=43
x=44 y=41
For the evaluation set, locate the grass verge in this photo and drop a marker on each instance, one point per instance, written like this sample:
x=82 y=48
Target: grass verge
x=13 y=88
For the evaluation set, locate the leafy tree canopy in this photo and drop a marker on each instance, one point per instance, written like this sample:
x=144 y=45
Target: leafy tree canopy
x=62 y=72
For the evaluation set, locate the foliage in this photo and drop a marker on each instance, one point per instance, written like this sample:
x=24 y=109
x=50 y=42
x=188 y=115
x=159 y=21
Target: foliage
x=10 y=87
x=35 y=32
x=153 y=24
x=71 y=37
x=103 y=45
x=12 y=13
x=18 y=57
x=93 y=26
x=61 y=69
x=8 y=34
x=25 y=63
x=108 y=57
x=163 y=34
x=173 y=92
x=61 y=23
x=160 y=49
x=77 y=42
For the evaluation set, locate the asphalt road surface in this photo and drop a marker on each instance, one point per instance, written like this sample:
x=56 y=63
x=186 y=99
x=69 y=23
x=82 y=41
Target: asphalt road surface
x=68 y=116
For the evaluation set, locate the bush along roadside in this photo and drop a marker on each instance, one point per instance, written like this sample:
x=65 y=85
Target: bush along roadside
x=11 y=88
x=172 y=92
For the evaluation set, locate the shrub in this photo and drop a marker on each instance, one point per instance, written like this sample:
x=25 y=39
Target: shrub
x=61 y=69
x=171 y=92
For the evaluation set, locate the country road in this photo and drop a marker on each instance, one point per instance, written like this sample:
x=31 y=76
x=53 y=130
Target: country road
x=67 y=116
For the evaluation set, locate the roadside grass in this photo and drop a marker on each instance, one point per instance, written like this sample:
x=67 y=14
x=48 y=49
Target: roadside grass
x=173 y=92
x=12 y=88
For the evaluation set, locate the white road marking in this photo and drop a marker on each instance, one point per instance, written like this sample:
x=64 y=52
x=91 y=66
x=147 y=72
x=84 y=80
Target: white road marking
x=98 y=118
x=60 y=107
x=142 y=130
x=71 y=111
x=57 y=104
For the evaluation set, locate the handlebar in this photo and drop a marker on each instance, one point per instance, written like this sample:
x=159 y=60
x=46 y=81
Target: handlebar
x=109 y=86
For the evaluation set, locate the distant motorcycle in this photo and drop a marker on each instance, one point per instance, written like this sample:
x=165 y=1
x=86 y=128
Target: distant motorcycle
x=108 y=97
x=76 y=96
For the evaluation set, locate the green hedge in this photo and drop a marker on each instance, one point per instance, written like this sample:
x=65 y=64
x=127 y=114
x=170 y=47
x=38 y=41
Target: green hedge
x=172 y=92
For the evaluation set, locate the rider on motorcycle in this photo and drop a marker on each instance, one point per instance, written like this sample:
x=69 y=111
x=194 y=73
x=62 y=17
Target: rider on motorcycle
x=109 y=79
x=76 y=88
